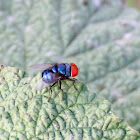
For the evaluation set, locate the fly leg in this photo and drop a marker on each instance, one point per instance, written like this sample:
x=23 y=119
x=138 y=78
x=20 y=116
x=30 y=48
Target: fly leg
x=51 y=91
x=60 y=83
x=73 y=79
x=61 y=89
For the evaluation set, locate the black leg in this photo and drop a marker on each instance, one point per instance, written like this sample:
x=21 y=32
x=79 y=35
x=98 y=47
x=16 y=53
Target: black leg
x=60 y=83
x=51 y=91
x=73 y=79
x=61 y=89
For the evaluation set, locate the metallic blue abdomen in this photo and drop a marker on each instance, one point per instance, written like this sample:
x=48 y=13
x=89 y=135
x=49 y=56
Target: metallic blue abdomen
x=64 y=69
x=54 y=69
x=47 y=77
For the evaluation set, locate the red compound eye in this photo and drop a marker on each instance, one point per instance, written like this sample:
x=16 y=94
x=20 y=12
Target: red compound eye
x=74 y=70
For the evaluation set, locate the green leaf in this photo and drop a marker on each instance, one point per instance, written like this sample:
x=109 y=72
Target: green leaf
x=133 y=113
x=100 y=36
x=73 y=112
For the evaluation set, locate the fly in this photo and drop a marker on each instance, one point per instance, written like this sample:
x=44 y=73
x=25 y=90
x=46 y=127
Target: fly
x=52 y=73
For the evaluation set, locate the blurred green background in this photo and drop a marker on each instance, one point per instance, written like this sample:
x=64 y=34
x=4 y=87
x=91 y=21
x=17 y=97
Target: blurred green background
x=101 y=36
x=134 y=3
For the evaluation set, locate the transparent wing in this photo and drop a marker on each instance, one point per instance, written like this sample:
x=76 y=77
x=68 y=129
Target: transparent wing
x=41 y=66
x=41 y=84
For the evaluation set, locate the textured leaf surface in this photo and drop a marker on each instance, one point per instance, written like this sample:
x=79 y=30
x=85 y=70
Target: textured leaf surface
x=73 y=112
x=131 y=102
x=101 y=36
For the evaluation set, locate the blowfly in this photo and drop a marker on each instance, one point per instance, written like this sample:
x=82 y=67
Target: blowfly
x=52 y=73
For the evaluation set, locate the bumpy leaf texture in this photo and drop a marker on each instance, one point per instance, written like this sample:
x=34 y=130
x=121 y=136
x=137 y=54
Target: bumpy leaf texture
x=100 y=36
x=73 y=112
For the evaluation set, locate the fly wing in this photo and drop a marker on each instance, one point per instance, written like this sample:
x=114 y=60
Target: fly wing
x=42 y=66
x=54 y=78
x=40 y=85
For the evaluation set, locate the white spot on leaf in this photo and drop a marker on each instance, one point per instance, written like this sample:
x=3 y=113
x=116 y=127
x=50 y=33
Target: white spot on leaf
x=49 y=53
x=10 y=19
x=28 y=28
x=127 y=35
x=110 y=112
x=122 y=100
x=74 y=21
x=97 y=3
